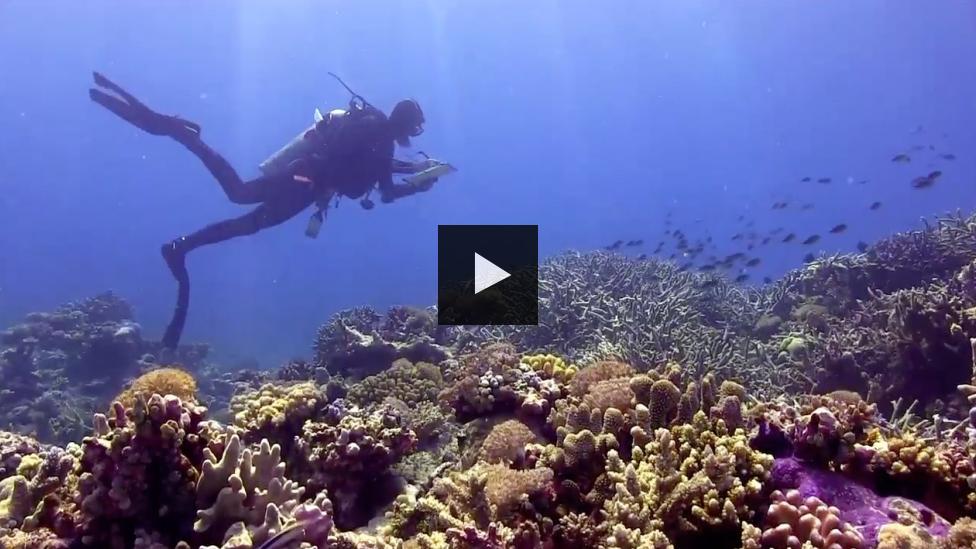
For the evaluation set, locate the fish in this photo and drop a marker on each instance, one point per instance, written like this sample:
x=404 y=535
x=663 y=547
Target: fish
x=767 y=280
x=918 y=148
x=918 y=129
x=288 y=537
x=901 y=159
x=863 y=182
x=935 y=175
x=837 y=229
x=742 y=277
x=633 y=243
x=824 y=180
x=809 y=258
x=777 y=230
x=806 y=180
x=780 y=205
x=740 y=218
x=875 y=205
x=807 y=206
x=862 y=246
x=753 y=262
x=811 y=239
x=922 y=182
x=789 y=237
x=947 y=156
x=737 y=236
x=615 y=246
x=642 y=257
x=764 y=241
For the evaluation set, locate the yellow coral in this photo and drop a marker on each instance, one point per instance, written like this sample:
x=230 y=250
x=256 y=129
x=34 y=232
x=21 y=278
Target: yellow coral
x=553 y=366
x=162 y=381
x=272 y=406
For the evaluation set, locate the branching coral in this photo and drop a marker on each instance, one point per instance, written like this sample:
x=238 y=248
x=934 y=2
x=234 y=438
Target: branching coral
x=352 y=458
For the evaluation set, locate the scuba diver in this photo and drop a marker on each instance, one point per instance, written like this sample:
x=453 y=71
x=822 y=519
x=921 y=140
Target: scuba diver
x=347 y=152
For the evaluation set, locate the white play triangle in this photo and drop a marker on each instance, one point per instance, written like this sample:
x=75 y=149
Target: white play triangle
x=486 y=274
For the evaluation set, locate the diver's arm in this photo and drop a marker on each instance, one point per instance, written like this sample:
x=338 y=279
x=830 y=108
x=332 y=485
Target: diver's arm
x=402 y=166
x=390 y=191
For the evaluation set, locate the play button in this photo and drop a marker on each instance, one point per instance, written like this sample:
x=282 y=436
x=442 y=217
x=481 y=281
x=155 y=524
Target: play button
x=500 y=287
x=486 y=274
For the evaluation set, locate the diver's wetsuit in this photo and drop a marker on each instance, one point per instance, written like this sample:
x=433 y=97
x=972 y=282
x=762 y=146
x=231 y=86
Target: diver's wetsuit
x=357 y=159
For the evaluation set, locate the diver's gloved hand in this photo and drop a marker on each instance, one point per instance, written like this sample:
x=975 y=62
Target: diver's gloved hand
x=425 y=164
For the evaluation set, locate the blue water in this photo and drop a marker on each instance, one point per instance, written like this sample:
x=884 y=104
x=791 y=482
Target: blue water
x=591 y=119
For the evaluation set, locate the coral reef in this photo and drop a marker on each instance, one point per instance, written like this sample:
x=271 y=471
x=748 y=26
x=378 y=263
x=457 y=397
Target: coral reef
x=651 y=408
x=360 y=342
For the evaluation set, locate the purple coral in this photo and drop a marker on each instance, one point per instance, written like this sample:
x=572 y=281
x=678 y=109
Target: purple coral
x=859 y=505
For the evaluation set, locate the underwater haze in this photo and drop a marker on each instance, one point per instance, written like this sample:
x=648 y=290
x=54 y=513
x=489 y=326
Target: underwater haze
x=597 y=121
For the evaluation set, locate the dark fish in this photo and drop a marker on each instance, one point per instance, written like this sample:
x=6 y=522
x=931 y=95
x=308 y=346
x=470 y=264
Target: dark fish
x=737 y=236
x=741 y=217
x=753 y=262
x=918 y=129
x=777 y=230
x=811 y=239
x=863 y=182
x=935 y=175
x=750 y=246
x=765 y=241
x=789 y=237
x=824 y=180
x=806 y=180
x=733 y=257
x=875 y=205
x=616 y=245
x=780 y=205
x=922 y=182
x=918 y=148
x=809 y=258
x=642 y=257
x=836 y=229
x=767 y=280
x=948 y=156
x=742 y=277
x=633 y=243
x=807 y=206
x=862 y=246
x=931 y=147
x=901 y=159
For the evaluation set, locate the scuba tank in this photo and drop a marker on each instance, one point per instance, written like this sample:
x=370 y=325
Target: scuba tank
x=301 y=146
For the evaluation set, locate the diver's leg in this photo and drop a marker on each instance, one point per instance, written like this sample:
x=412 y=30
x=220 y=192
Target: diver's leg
x=289 y=202
x=238 y=191
x=126 y=106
